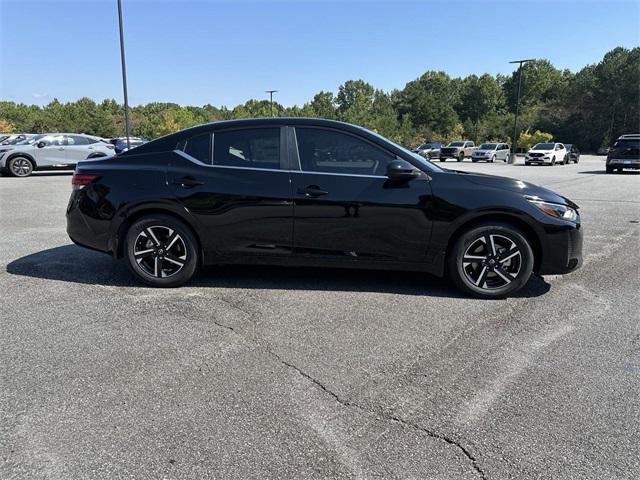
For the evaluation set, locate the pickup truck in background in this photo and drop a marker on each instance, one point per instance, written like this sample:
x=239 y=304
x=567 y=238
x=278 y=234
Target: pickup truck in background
x=458 y=150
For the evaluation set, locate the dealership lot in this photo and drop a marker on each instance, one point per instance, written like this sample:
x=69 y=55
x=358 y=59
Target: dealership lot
x=267 y=372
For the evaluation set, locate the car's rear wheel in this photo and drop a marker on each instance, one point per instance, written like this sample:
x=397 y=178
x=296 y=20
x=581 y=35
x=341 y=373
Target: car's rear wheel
x=491 y=261
x=161 y=251
x=507 y=158
x=20 y=167
x=461 y=156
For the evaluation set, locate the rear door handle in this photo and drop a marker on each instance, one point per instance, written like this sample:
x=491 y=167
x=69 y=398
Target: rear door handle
x=312 y=191
x=188 y=182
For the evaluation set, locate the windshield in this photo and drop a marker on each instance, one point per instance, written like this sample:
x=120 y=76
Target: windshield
x=627 y=143
x=456 y=144
x=544 y=146
x=414 y=156
x=29 y=141
x=488 y=146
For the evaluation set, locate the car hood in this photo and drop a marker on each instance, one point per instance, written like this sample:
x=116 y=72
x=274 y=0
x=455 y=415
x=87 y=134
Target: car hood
x=518 y=186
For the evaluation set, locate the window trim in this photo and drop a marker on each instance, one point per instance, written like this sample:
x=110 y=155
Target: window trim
x=296 y=166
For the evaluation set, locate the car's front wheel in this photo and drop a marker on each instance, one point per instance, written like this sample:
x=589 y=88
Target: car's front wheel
x=161 y=251
x=20 y=167
x=461 y=157
x=491 y=261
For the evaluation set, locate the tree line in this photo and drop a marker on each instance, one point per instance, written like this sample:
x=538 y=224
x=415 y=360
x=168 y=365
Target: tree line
x=589 y=108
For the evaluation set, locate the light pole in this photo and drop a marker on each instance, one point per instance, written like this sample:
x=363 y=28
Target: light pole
x=271 y=92
x=512 y=159
x=124 y=74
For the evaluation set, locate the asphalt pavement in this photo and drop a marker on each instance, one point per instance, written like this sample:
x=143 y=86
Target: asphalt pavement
x=260 y=372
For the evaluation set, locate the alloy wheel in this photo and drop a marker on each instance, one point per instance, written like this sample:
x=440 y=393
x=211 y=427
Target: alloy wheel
x=492 y=261
x=160 y=251
x=20 y=167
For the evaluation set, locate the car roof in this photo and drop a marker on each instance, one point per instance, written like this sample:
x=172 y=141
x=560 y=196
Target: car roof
x=169 y=142
x=629 y=135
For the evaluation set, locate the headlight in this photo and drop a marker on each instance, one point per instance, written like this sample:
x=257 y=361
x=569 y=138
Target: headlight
x=556 y=210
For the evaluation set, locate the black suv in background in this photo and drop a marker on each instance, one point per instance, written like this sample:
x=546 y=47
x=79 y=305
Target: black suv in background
x=625 y=153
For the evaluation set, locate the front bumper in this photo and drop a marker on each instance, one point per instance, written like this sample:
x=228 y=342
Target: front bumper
x=562 y=251
x=537 y=160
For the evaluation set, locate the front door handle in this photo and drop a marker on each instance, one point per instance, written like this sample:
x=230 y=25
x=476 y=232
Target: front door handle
x=188 y=182
x=312 y=191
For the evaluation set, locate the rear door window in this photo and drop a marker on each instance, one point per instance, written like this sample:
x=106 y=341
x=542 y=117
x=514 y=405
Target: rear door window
x=199 y=147
x=247 y=148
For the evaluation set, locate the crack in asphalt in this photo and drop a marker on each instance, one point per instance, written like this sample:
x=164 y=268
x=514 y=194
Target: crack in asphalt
x=347 y=403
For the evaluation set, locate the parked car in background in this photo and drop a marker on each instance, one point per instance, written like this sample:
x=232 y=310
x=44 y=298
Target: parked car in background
x=625 y=153
x=231 y=192
x=120 y=143
x=546 y=154
x=16 y=138
x=603 y=151
x=490 y=152
x=573 y=154
x=50 y=151
x=458 y=150
x=429 y=150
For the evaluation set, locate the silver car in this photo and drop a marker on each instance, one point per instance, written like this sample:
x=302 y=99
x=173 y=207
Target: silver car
x=429 y=150
x=49 y=151
x=490 y=152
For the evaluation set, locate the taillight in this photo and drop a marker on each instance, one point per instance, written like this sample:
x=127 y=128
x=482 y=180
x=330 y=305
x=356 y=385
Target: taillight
x=79 y=180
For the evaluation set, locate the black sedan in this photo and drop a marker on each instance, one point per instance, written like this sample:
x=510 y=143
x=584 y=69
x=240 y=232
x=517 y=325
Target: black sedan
x=294 y=191
x=573 y=154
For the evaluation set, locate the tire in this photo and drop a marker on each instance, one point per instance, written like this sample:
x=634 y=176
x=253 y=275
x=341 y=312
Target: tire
x=442 y=159
x=610 y=169
x=20 y=167
x=474 y=160
x=553 y=161
x=166 y=260
x=488 y=281
x=493 y=159
x=507 y=158
x=577 y=159
x=527 y=163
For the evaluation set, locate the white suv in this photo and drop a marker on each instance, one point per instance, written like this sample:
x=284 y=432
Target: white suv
x=49 y=151
x=547 y=154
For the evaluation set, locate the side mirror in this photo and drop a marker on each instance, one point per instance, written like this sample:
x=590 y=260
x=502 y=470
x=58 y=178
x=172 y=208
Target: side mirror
x=402 y=170
x=41 y=144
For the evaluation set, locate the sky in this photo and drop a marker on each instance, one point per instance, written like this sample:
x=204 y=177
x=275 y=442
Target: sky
x=226 y=52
